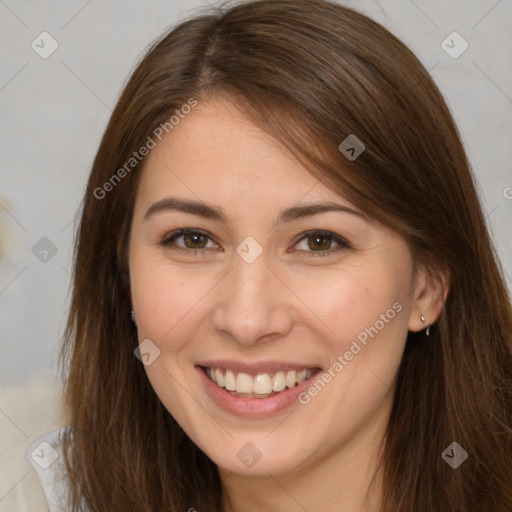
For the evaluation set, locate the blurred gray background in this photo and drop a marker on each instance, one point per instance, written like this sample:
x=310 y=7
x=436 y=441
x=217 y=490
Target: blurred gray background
x=53 y=111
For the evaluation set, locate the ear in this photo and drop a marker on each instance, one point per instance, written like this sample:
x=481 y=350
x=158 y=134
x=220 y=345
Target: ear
x=429 y=295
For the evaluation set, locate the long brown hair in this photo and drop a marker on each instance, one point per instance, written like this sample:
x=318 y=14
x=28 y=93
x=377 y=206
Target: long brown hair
x=310 y=73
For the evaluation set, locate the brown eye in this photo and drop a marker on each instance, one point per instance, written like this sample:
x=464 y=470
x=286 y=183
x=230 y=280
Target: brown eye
x=320 y=243
x=193 y=239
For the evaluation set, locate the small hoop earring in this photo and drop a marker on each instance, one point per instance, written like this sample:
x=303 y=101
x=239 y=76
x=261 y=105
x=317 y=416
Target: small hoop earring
x=427 y=329
x=132 y=317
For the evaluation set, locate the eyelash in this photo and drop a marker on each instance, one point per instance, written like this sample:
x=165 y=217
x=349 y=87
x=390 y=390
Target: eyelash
x=169 y=242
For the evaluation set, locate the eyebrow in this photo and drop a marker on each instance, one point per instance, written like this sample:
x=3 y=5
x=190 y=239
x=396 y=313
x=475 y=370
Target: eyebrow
x=214 y=213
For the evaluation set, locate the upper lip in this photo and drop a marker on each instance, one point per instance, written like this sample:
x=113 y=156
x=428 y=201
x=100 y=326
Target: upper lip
x=257 y=367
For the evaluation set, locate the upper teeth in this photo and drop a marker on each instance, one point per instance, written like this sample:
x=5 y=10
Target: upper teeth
x=261 y=384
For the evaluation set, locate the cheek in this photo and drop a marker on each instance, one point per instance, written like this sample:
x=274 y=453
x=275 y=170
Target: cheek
x=348 y=304
x=161 y=296
x=364 y=314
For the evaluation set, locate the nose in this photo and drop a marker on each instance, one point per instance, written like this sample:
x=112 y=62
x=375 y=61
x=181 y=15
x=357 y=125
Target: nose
x=253 y=305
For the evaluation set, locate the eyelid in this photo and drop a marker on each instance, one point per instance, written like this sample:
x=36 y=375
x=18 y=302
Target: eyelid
x=343 y=243
x=167 y=241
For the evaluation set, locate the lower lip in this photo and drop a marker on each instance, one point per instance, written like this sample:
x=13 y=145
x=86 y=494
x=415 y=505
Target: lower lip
x=252 y=407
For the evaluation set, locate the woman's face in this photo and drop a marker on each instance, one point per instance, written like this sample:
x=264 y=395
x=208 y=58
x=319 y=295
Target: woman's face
x=276 y=277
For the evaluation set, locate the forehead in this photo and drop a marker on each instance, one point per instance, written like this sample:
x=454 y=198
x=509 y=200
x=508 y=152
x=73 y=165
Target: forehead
x=218 y=151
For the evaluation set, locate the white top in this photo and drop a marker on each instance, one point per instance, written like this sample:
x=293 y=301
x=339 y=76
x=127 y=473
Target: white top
x=46 y=455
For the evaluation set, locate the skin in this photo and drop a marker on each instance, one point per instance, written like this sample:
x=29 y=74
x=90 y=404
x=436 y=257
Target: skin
x=290 y=304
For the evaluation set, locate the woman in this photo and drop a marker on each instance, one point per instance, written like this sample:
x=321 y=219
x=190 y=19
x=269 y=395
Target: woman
x=285 y=296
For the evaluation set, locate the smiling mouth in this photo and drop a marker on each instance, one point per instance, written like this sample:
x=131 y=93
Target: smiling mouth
x=262 y=385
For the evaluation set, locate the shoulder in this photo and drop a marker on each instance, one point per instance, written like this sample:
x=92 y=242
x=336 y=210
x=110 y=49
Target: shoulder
x=46 y=456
